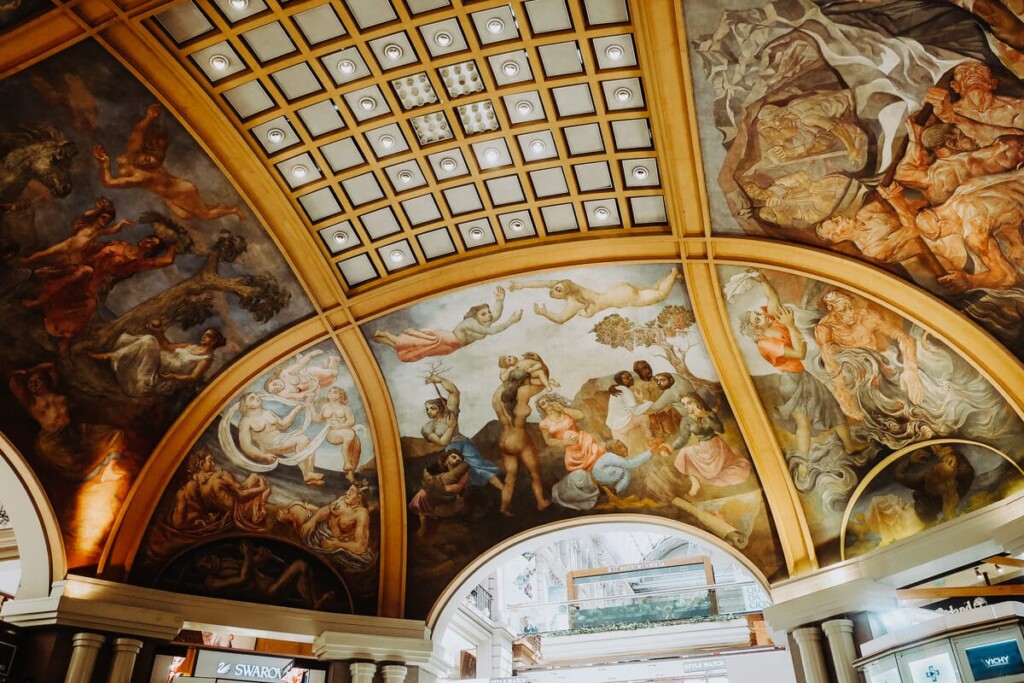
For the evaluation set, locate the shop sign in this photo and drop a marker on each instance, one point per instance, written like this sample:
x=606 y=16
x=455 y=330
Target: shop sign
x=228 y=666
x=995 y=660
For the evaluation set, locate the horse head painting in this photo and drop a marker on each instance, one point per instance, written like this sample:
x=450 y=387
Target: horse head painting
x=40 y=153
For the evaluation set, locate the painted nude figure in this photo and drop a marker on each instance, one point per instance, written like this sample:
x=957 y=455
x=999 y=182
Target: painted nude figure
x=263 y=436
x=587 y=302
x=142 y=165
x=341 y=421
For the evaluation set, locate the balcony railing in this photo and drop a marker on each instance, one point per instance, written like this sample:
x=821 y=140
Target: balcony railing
x=480 y=600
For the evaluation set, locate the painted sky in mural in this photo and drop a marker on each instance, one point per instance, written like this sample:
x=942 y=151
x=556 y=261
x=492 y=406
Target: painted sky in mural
x=846 y=383
x=527 y=401
x=891 y=129
x=131 y=274
x=278 y=500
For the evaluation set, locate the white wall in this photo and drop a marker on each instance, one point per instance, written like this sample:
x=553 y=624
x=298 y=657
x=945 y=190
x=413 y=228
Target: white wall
x=760 y=667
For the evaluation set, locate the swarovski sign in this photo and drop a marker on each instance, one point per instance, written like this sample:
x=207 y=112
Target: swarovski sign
x=229 y=666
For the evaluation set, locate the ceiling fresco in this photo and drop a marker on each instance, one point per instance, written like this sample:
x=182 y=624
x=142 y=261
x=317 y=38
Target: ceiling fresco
x=132 y=273
x=277 y=502
x=892 y=130
x=846 y=383
x=558 y=395
x=14 y=12
x=313 y=303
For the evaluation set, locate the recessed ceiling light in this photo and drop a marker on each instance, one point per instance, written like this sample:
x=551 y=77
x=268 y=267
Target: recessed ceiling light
x=393 y=52
x=448 y=164
x=538 y=146
x=476 y=234
x=405 y=177
x=601 y=213
x=614 y=52
x=300 y=171
x=623 y=94
x=386 y=141
x=524 y=107
x=443 y=38
x=516 y=225
x=275 y=135
x=491 y=155
x=219 y=62
x=240 y=4
x=340 y=236
x=397 y=256
x=510 y=68
x=346 y=66
x=368 y=103
x=495 y=25
x=641 y=173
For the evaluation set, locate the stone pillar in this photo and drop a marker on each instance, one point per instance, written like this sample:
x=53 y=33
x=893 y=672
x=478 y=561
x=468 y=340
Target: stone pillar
x=394 y=673
x=84 y=648
x=125 y=651
x=812 y=657
x=362 y=672
x=840 y=642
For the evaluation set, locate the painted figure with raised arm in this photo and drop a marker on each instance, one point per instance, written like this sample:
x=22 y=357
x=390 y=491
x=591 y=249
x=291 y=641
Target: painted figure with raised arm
x=442 y=429
x=480 y=321
x=587 y=302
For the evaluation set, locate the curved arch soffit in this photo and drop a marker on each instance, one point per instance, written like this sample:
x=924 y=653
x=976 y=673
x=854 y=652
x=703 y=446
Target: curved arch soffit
x=464 y=582
x=40 y=545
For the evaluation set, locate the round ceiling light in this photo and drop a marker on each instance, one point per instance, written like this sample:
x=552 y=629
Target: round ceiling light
x=524 y=107
x=614 y=52
x=448 y=164
x=405 y=177
x=219 y=62
x=397 y=256
x=641 y=173
x=510 y=68
x=340 y=236
x=275 y=135
x=239 y=4
x=601 y=213
x=495 y=25
x=386 y=141
x=623 y=94
x=516 y=225
x=346 y=66
x=368 y=103
x=393 y=52
x=491 y=155
x=300 y=171
x=476 y=234
x=443 y=38
x=538 y=146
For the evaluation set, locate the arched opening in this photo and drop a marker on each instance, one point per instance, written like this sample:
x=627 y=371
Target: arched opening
x=620 y=597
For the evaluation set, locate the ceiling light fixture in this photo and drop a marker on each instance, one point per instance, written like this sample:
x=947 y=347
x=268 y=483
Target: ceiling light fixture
x=495 y=25
x=239 y=4
x=641 y=173
x=393 y=52
x=448 y=164
x=601 y=213
x=476 y=234
x=397 y=256
x=538 y=146
x=510 y=68
x=524 y=107
x=623 y=94
x=219 y=62
x=491 y=155
x=614 y=52
x=386 y=141
x=300 y=171
x=443 y=38
x=368 y=103
x=405 y=177
x=340 y=236
x=346 y=66
x=516 y=225
x=275 y=135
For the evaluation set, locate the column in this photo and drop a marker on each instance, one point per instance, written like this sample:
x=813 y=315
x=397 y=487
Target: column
x=362 y=672
x=840 y=642
x=84 y=648
x=394 y=673
x=125 y=651
x=812 y=657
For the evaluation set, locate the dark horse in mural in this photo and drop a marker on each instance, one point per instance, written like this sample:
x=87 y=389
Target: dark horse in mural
x=41 y=153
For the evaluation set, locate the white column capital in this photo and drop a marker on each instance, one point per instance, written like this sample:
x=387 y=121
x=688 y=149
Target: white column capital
x=130 y=645
x=836 y=626
x=84 y=649
x=812 y=657
x=362 y=672
x=88 y=640
x=807 y=634
x=394 y=673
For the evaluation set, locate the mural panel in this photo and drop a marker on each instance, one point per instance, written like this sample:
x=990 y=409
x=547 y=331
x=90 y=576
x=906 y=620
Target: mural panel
x=277 y=501
x=108 y=325
x=846 y=383
x=525 y=402
x=14 y=12
x=892 y=130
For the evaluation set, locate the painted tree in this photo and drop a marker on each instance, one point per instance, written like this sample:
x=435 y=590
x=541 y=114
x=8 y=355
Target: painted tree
x=673 y=323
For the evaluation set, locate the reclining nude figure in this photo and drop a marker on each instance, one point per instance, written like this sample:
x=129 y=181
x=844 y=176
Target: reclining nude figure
x=588 y=303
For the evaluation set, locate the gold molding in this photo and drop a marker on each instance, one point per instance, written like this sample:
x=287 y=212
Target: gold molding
x=713 y=321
